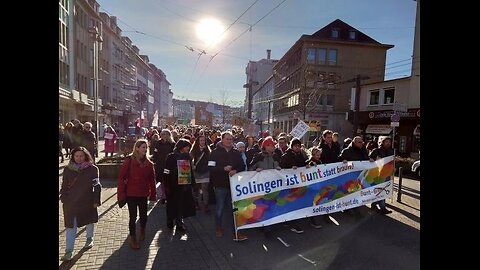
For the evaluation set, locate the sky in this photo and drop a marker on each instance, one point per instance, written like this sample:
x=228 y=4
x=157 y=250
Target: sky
x=166 y=31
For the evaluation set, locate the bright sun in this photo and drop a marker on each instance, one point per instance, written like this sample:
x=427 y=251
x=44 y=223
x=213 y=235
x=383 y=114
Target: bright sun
x=209 y=31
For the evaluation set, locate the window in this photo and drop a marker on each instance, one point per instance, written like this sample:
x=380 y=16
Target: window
x=334 y=33
x=293 y=100
x=311 y=55
x=374 y=97
x=389 y=95
x=322 y=56
x=332 y=57
x=351 y=34
x=330 y=100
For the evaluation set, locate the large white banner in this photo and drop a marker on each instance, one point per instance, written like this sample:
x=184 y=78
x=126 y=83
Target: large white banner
x=273 y=196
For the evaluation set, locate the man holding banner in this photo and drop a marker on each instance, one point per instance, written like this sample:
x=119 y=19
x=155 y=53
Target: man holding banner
x=384 y=150
x=224 y=162
x=294 y=158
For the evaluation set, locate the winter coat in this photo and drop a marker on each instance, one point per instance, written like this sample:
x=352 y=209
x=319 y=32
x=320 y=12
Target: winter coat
x=352 y=153
x=161 y=149
x=381 y=152
x=110 y=143
x=78 y=200
x=67 y=138
x=251 y=152
x=265 y=161
x=290 y=159
x=330 y=154
x=313 y=162
x=89 y=141
x=201 y=167
x=179 y=197
x=219 y=158
x=140 y=180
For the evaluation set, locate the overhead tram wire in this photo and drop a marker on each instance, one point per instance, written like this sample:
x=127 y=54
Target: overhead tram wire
x=241 y=34
x=208 y=47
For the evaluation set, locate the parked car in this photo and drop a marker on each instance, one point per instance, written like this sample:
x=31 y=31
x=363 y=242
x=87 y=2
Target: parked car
x=416 y=167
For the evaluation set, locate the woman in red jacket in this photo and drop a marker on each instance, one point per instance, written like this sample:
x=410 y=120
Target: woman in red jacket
x=136 y=183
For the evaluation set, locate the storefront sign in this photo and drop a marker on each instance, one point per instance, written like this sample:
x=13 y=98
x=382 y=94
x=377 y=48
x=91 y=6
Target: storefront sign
x=378 y=129
x=388 y=114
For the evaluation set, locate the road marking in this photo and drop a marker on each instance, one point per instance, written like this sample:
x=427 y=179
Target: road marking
x=310 y=261
x=283 y=242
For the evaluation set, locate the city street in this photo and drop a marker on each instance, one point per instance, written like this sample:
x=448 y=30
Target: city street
x=371 y=242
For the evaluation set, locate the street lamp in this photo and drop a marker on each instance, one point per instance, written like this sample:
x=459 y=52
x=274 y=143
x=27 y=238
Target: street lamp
x=97 y=40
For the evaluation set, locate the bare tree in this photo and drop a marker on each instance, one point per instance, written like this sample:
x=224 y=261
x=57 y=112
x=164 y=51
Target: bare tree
x=223 y=101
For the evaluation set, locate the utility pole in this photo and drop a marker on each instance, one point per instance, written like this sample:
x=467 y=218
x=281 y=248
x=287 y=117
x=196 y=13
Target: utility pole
x=356 y=112
x=357 y=105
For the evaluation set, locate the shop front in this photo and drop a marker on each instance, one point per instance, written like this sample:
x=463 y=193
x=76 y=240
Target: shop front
x=407 y=134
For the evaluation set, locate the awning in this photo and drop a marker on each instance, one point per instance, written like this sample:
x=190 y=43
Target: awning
x=416 y=131
x=378 y=129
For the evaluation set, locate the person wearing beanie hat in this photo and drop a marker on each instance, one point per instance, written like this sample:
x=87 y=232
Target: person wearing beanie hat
x=293 y=159
x=241 y=148
x=268 y=141
x=240 y=144
x=267 y=159
x=295 y=141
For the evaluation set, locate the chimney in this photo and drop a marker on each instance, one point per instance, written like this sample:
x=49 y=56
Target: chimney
x=268 y=53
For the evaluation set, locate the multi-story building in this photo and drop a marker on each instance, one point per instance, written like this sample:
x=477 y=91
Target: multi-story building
x=119 y=72
x=313 y=80
x=76 y=59
x=262 y=105
x=257 y=73
x=66 y=64
x=161 y=95
x=90 y=39
x=379 y=101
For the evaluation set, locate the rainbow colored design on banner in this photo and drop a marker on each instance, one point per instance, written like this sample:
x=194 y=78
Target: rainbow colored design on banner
x=260 y=208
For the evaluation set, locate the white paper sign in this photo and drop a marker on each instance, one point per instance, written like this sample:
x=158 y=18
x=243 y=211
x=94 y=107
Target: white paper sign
x=108 y=136
x=299 y=130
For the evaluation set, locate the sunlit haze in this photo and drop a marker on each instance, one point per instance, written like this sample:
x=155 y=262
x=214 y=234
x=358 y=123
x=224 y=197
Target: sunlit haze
x=210 y=31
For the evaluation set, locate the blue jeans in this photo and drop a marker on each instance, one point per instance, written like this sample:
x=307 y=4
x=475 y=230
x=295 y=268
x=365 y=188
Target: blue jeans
x=223 y=199
x=71 y=234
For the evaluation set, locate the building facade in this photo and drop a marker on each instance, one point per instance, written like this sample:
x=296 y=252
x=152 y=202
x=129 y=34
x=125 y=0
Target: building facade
x=92 y=49
x=379 y=101
x=257 y=73
x=313 y=80
x=262 y=105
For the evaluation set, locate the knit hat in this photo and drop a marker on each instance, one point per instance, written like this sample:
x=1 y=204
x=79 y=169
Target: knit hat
x=295 y=141
x=240 y=144
x=268 y=141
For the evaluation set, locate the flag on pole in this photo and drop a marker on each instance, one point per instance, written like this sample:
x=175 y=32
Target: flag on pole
x=155 y=119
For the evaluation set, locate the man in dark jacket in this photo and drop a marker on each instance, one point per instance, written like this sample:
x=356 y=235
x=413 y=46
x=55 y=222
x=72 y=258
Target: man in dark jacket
x=224 y=162
x=329 y=154
x=384 y=150
x=330 y=150
x=356 y=151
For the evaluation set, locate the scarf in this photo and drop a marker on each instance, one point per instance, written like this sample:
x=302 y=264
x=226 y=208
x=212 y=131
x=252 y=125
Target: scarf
x=78 y=167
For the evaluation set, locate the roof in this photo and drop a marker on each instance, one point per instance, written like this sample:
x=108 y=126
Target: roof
x=343 y=33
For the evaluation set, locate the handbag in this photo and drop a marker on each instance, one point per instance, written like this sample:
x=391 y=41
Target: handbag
x=64 y=192
x=122 y=203
x=201 y=177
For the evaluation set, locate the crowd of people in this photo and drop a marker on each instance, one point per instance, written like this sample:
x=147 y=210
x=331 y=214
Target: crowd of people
x=193 y=166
